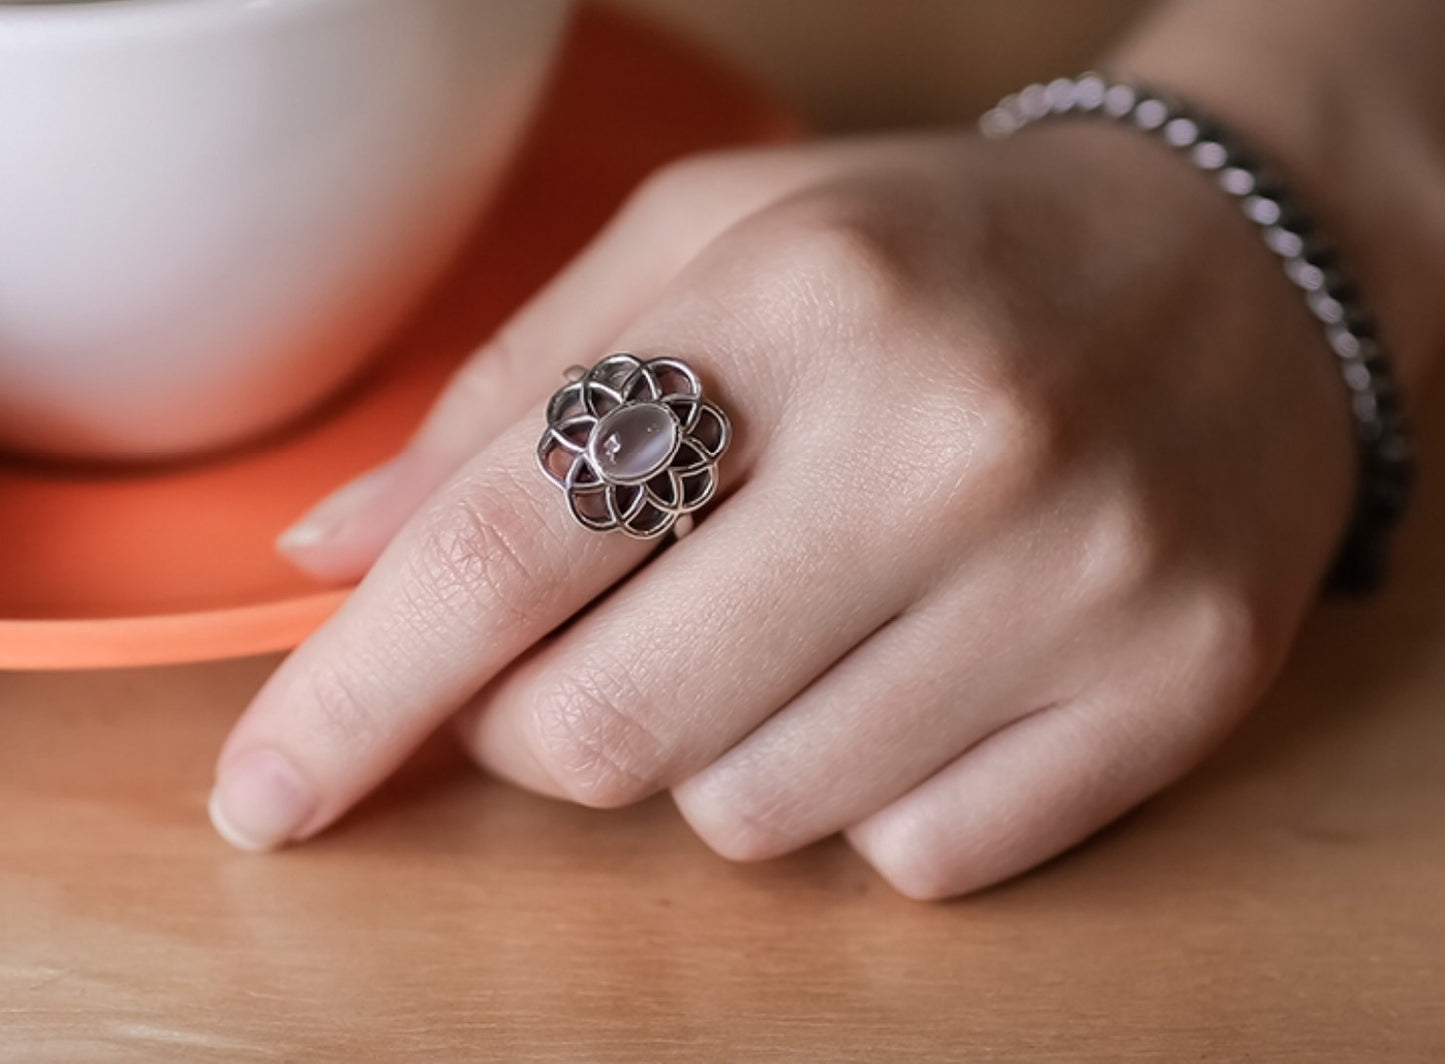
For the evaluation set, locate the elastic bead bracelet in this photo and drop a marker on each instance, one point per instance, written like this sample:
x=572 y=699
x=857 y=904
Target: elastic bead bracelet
x=1386 y=458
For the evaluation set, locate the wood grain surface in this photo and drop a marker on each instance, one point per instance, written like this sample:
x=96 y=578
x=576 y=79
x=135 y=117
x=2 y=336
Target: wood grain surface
x=1285 y=904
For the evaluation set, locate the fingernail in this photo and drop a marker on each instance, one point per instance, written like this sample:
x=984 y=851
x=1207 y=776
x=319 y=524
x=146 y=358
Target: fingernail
x=260 y=801
x=332 y=513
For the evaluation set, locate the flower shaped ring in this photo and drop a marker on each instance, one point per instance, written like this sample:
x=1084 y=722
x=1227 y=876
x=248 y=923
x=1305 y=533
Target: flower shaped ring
x=634 y=444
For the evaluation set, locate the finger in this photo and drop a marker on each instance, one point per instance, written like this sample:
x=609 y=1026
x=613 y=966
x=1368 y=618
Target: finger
x=492 y=564
x=918 y=693
x=1051 y=779
x=1021 y=796
x=571 y=320
x=690 y=655
x=1028 y=793
x=574 y=319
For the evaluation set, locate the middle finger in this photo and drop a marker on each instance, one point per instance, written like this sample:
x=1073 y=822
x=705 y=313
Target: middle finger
x=690 y=655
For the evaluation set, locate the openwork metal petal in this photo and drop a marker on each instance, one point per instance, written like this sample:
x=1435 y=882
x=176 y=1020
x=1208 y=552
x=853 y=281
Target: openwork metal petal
x=572 y=433
x=690 y=458
x=713 y=431
x=562 y=445
x=697 y=489
x=583 y=475
x=590 y=510
x=687 y=411
x=665 y=491
x=641 y=386
x=649 y=523
x=625 y=502
x=565 y=403
x=599 y=399
x=613 y=372
x=548 y=452
x=676 y=379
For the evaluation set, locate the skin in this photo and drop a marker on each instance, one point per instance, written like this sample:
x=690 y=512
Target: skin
x=1038 y=464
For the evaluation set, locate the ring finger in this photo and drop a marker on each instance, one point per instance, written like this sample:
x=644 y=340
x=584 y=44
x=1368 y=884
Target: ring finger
x=920 y=692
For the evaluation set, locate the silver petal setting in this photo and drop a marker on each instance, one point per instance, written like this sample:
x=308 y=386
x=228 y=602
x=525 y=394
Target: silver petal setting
x=634 y=445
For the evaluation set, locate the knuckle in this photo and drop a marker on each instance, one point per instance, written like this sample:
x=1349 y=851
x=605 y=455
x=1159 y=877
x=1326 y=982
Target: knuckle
x=588 y=735
x=1122 y=549
x=341 y=719
x=1009 y=447
x=498 y=363
x=673 y=187
x=909 y=855
x=737 y=821
x=472 y=559
x=1023 y=438
x=1234 y=638
x=842 y=261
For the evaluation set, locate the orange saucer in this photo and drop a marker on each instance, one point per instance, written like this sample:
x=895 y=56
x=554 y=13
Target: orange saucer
x=106 y=567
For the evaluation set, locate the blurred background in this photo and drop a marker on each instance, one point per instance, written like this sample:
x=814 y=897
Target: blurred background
x=864 y=64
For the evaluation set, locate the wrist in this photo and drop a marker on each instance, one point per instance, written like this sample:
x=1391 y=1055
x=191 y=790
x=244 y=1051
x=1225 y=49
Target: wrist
x=1362 y=148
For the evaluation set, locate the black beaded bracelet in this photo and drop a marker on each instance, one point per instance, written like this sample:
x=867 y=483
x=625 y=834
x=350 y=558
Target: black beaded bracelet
x=1386 y=457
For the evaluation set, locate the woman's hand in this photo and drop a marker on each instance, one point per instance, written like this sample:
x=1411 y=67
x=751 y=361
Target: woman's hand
x=1037 y=464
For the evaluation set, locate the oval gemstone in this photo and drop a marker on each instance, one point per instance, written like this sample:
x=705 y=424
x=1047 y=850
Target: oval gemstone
x=634 y=442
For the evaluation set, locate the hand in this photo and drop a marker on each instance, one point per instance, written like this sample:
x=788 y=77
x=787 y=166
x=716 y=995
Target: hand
x=1037 y=465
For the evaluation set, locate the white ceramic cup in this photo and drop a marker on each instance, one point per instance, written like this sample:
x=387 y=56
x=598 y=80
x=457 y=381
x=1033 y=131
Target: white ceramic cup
x=213 y=211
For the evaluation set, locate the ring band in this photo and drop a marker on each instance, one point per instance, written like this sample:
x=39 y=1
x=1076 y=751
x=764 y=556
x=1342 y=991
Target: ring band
x=633 y=444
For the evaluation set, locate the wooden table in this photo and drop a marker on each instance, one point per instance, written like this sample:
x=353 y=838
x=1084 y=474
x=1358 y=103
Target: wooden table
x=1286 y=903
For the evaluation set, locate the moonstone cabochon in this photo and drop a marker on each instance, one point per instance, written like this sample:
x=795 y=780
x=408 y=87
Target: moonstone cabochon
x=635 y=442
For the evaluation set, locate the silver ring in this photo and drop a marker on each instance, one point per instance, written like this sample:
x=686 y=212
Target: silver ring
x=633 y=444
